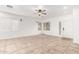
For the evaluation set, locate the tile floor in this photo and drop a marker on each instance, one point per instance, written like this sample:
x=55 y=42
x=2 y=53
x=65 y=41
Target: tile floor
x=39 y=44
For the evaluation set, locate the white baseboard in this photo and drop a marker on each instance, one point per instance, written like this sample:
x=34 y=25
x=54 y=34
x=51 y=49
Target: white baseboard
x=16 y=36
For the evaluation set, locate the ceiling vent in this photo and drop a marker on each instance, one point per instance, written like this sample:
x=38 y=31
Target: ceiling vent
x=9 y=6
x=21 y=20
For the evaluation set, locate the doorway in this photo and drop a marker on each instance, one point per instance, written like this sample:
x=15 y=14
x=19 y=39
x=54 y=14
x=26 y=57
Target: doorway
x=60 y=28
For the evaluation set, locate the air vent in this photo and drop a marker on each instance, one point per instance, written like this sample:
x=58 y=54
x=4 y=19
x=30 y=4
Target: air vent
x=21 y=20
x=9 y=6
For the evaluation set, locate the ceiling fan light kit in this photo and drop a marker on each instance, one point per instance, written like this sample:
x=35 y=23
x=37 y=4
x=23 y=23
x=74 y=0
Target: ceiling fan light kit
x=40 y=12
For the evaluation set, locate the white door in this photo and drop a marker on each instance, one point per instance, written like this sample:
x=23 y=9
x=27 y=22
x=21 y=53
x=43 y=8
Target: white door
x=66 y=28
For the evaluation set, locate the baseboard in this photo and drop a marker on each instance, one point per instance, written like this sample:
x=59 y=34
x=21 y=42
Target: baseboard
x=60 y=36
x=67 y=38
x=18 y=36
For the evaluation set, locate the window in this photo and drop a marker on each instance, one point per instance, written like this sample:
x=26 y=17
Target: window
x=39 y=26
x=46 y=26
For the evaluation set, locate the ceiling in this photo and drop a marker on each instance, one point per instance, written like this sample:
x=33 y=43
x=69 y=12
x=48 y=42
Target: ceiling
x=29 y=10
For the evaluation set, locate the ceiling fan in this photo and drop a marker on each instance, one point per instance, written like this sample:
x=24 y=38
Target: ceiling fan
x=40 y=11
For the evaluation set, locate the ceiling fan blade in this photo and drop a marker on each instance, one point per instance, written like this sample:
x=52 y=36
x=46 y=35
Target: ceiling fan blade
x=36 y=10
x=44 y=13
x=35 y=13
x=43 y=10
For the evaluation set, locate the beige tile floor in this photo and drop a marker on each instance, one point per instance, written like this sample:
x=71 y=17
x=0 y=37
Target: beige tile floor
x=39 y=44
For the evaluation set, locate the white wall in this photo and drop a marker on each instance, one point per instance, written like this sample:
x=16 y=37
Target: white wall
x=66 y=23
x=76 y=25
x=70 y=22
x=10 y=26
x=28 y=26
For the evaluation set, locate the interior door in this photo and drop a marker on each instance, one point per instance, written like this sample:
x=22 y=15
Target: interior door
x=66 y=28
